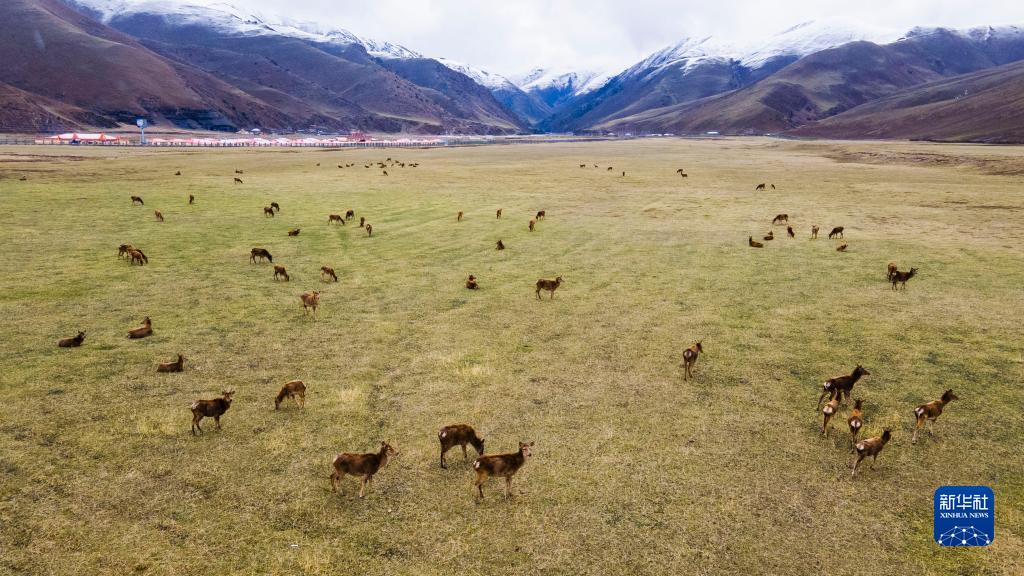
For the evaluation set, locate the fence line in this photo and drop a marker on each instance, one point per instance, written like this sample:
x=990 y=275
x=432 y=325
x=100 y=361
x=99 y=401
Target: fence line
x=451 y=142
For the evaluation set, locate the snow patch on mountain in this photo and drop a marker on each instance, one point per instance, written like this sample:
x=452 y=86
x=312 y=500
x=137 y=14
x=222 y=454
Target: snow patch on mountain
x=484 y=78
x=581 y=82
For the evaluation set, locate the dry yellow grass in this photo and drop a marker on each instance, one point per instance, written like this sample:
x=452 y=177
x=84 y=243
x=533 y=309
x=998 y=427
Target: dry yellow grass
x=636 y=472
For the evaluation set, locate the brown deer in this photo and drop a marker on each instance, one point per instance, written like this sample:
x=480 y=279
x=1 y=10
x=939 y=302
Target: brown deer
x=499 y=246
x=238 y=180
x=275 y=206
x=549 y=285
x=532 y=224
x=176 y=366
x=124 y=249
x=310 y=301
x=830 y=410
x=759 y=187
x=384 y=172
x=296 y=390
x=498 y=214
x=931 y=411
x=837 y=231
x=753 y=243
x=178 y=173
x=890 y=269
x=471 y=282
x=294 y=231
x=142 y=331
x=335 y=218
x=260 y=253
x=770 y=236
x=459 y=435
x=350 y=214
x=871 y=447
x=73 y=342
x=842 y=247
x=280 y=271
x=136 y=255
x=842 y=384
x=191 y=199
x=137 y=200
x=610 y=168
x=814 y=232
x=362 y=221
x=856 y=420
x=459 y=217
x=365 y=465
x=268 y=212
x=779 y=218
x=500 y=465
x=239 y=172
x=369 y=230
x=583 y=165
x=789 y=232
x=158 y=215
x=210 y=409
x=542 y=215
x=328 y=272
x=902 y=277
x=690 y=358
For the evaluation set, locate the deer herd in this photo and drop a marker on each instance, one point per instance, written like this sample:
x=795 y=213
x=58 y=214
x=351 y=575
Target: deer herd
x=365 y=465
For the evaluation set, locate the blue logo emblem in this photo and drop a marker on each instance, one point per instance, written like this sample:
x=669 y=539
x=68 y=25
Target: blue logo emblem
x=964 y=515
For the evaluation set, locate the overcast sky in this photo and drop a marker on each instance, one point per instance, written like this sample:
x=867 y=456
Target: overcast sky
x=513 y=36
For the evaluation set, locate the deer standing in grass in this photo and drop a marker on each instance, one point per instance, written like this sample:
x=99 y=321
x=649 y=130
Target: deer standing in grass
x=158 y=215
x=279 y=271
x=459 y=435
x=856 y=420
x=902 y=277
x=829 y=411
x=871 y=447
x=931 y=411
x=296 y=390
x=549 y=285
x=268 y=212
x=890 y=269
x=328 y=272
x=498 y=214
x=310 y=301
x=690 y=358
x=500 y=465
x=533 y=223
x=365 y=465
x=335 y=218
x=500 y=245
x=842 y=385
x=458 y=218
x=138 y=200
x=210 y=409
x=814 y=232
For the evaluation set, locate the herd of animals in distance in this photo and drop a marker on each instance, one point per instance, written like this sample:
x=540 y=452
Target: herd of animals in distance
x=366 y=465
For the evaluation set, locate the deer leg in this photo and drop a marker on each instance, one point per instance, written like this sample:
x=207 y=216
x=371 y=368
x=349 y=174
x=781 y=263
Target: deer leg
x=917 y=427
x=552 y=294
x=824 y=424
x=874 y=458
x=465 y=455
x=362 y=488
x=443 y=450
x=335 y=480
x=508 y=486
x=857 y=463
x=479 y=482
x=538 y=293
x=217 y=420
x=195 y=425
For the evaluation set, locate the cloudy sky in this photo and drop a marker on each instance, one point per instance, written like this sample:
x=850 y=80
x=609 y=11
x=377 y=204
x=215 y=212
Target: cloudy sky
x=511 y=37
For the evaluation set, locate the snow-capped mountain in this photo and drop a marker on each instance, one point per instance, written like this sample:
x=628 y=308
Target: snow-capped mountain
x=578 y=82
x=484 y=78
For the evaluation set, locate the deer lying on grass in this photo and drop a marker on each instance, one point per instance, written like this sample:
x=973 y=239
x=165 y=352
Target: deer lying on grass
x=458 y=218
x=549 y=285
x=369 y=230
x=137 y=200
x=178 y=173
x=837 y=231
x=73 y=342
x=176 y=366
x=296 y=390
x=501 y=465
x=275 y=206
x=328 y=272
x=280 y=271
x=842 y=384
x=471 y=282
x=210 y=409
x=814 y=232
x=499 y=246
x=856 y=420
x=842 y=247
x=459 y=435
x=498 y=214
x=365 y=465
x=310 y=301
x=902 y=277
x=890 y=269
x=780 y=218
x=533 y=223
x=542 y=215
x=350 y=214
x=335 y=218
x=294 y=231
x=260 y=253
x=770 y=236
x=871 y=447
x=690 y=358
x=159 y=216
x=142 y=331
x=610 y=168
x=753 y=243
x=268 y=212
x=931 y=411
x=789 y=232
x=830 y=409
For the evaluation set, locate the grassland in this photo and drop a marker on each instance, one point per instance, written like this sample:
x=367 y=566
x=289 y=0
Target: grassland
x=635 y=472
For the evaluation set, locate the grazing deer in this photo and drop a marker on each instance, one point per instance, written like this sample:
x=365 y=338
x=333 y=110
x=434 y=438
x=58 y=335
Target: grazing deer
x=690 y=358
x=542 y=215
x=350 y=214
x=296 y=390
x=498 y=214
x=500 y=245
x=814 y=232
x=294 y=231
x=831 y=409
x=471 y=282
x=310 y=301
x=137 y=200
x=549 y=285
x=280 y=271
x=73 y=342
x=842 y=384
x=680 y=171
x=142 y=331
x=124 y=249
x=779 y=218
x=384 y=172
x=159 y=217
x=931 y=411
x=176 y=366
x=759 y=187
x=459 y=435
x=275 y=206
x=837 y=231
x=178 y=173
x=365 y=465
x=855 y=421
x=362 y=221
x=501 y=465
x=238 y=181
x=890 y=269
x=459 y=217
x=268 y=212
x=610 y=168
x=369 y=230
x=532 y=224
x=191 y=199
x=327 y=271
x=335 y=218
x=136 y=255
x=210 y=409
x=902 y=277
x=789 y=232
x=842 y=247
x=260 y=253
x=239 y=172
x=753 y=243
x=871 y=447
x=770 y=236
